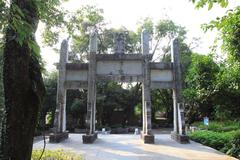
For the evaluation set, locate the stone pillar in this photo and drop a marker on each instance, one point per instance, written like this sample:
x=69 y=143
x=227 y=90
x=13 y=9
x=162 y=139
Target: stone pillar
x=61 y=91
x=178 y=117
x=60 y=114
x=91 y=100
x=146 y=91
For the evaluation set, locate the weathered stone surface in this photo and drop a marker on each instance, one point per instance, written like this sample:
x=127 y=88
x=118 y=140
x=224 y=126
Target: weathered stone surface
x=161 y=65
x=178 y=109
x=183 y=139
x=161 y=75
x=119 y=57
x=147 y=138
x=161 y=85
x=120 y=67
x=119 y=39
x=120 y=78
x=91 y=98
x=58 y=137
x=77 y=66
x=146 y=90
x=89 y=138
x=60 y=114
x=76 y=84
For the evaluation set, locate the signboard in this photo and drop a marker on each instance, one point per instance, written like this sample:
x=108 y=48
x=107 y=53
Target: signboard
x=206 y=121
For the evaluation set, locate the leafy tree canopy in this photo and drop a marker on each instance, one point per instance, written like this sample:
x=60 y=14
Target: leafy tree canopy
x=228 y=26
x=48 y=11
x=210 y=3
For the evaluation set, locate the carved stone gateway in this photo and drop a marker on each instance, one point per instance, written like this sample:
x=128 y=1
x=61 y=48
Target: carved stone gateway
x=120 y=67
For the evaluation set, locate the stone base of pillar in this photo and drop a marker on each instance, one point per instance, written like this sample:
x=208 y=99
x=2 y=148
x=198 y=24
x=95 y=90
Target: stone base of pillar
x=183 y=139
x=89 y=138
x=58 y=137
x=147 y=138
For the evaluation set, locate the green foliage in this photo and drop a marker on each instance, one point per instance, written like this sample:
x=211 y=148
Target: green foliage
x=223 y=136
x=200 y=86
x=209 y=3
x=146 y=24
x=167 y=28
x=77 y=25
x=1 y=86
x=213 y=139
x=228 y=26
x=229 y=29
x=49 y=105
x=138 y=110
x=235 y=146
x=3 y=12
x=48 y=11
x=228 y=81
x=216 y=126
x=56 y=155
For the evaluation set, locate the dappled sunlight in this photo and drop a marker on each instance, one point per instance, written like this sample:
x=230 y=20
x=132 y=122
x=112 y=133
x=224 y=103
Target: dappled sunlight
x=131 y=147
x=123 y=153
x=183 y=152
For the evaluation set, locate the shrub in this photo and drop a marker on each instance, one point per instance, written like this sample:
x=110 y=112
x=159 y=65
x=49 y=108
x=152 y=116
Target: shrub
x=235 y=146
x=224 y=126
x=55 y=155
x=213 y=139
x=226 y=142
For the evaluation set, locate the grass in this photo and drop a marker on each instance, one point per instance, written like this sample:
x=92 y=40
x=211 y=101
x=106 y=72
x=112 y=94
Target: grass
x=55 y=155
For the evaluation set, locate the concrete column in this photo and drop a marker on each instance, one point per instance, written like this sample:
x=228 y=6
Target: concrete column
x=91 y=104
x=177 y=98
x=146 y=91
x=60 y=115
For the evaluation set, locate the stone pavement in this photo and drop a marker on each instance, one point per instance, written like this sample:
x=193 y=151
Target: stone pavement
x=130 y=147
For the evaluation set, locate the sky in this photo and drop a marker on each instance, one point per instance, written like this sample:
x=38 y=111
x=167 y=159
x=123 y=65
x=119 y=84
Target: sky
x=118 y=13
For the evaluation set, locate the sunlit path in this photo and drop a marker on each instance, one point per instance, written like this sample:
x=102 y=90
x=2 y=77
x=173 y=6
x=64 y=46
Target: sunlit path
x=130 y=147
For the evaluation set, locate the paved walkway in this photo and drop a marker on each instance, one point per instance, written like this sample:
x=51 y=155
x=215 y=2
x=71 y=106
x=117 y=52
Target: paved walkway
x=130 y=147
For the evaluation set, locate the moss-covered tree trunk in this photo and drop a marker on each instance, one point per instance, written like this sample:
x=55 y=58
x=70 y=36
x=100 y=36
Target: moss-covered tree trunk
x=23 y=86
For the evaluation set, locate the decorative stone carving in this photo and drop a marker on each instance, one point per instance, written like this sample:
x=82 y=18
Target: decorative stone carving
x=119 y=40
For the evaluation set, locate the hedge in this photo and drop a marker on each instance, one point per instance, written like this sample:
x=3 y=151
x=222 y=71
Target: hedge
x=226 y=142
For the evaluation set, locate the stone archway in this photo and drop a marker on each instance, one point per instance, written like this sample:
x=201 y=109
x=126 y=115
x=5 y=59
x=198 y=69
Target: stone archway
x=120 y=67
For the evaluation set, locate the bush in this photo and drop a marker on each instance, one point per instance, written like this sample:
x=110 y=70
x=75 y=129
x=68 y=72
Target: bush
x=224 y=126
x=226 y=142
x=213 y=139
x=235 y=146
x=55 y=155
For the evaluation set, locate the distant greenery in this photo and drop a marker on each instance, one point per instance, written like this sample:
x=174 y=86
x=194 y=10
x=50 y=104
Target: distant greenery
x=227 y=81
x=216 y=126
x=223 y=136
x=55 y=155
x=199 y=90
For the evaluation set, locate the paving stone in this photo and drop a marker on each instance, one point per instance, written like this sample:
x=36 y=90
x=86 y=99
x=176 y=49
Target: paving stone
x=131 y=147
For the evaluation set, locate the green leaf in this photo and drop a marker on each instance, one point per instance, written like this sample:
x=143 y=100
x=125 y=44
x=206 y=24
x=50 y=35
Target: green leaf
x=34 y=47
x=210 y=5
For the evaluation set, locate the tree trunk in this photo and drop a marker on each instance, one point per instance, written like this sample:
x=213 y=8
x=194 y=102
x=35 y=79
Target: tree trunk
x=23 y=88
